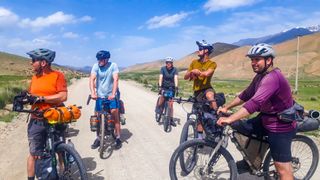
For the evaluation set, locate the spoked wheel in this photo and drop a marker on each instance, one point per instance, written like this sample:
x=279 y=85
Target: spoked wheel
x=106 y=145
x=166 y=118
x=73 y=167
x=189 y=131
x=305 y=157
x=197 y=165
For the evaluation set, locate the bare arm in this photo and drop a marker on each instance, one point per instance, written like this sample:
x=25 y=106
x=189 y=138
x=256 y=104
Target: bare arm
x=176 y=80
x=115 y=84
x=160 y=80
x=92 y=85
x=207 y=73
x=56 y=98
x=187 y=75
x=236 y=102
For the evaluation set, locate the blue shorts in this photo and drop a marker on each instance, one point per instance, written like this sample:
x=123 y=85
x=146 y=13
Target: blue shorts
x=109 y=104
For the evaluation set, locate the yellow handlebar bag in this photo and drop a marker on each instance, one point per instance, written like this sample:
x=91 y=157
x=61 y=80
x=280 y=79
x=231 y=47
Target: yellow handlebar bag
x=62 y=114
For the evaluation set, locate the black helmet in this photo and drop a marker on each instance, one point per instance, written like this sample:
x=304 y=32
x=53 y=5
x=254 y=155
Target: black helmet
x=42 y=54
x=103 y=55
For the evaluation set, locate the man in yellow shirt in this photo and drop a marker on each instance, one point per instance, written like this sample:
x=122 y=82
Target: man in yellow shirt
x=201 y=71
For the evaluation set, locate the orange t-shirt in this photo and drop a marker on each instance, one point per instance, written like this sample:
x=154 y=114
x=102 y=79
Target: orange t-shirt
x=46 y=85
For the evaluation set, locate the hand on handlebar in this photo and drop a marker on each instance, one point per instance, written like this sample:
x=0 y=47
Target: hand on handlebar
x=222 y=110
x=35 y=99
x=222 y=121
x=94 y=96
x=111 y=97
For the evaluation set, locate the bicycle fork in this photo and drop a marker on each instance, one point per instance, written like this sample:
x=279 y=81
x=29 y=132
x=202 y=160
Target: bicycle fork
x=215 y=150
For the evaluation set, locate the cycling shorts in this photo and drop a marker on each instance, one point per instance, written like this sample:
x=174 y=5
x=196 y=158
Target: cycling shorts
x=109 y=104
x=36 y=137
x=280 y=143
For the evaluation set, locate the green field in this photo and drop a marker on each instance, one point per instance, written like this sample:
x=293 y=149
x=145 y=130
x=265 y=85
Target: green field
x=11 y=85
x=308 y=90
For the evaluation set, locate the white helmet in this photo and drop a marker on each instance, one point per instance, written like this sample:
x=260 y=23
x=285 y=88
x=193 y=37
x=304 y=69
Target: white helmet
x=261 y=49
x=169 y=59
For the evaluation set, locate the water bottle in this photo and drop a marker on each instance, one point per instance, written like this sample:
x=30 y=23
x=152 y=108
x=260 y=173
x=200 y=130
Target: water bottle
x=69 y=156
x=122 y=119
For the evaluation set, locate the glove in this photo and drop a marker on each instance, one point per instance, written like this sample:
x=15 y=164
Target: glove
x=35 y=99
x=160 y=91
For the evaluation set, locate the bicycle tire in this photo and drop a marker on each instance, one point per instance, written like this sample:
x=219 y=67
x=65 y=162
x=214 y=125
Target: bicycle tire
x=158 y=115
x=185 y=133
x=295 y=158
x=166 y=120
x=68 y=151
x=230 y=165
x=102 y=135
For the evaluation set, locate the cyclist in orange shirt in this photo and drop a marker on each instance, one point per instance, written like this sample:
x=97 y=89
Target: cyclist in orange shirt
x=48 y=89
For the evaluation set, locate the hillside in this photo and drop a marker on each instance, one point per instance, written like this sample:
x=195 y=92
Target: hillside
x=233 y=64
x=17 y=65
x=220 y=48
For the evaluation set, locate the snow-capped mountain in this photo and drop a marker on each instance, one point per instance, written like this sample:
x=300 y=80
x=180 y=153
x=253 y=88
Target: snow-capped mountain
x=280 y=37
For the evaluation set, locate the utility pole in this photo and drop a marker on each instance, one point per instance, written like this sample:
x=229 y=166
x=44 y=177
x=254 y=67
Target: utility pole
x=297 y=66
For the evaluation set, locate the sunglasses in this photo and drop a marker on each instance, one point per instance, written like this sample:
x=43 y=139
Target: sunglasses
x=34 y=60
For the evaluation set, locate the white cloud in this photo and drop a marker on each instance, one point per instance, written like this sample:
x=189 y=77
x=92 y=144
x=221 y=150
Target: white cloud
x=7 y=17
x=85 y=19
x=217 y=5
x=100 y=34
x=166 y=20
x=58 y=18
x=70 y=35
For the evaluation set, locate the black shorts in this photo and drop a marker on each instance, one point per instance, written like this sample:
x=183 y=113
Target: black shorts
x=200 y=95
x=280 y=143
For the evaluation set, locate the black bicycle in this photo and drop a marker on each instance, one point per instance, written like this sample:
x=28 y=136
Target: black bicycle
x=59 y=159
x=165 y=111
x=209 y=159
x=200 y=112
x=106 y=129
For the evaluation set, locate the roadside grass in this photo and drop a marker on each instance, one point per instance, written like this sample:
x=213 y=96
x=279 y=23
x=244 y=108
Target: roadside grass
x=11 y=85
x=8 y=117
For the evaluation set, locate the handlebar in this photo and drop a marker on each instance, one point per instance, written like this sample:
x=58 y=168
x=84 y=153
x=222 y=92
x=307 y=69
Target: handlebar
x=191 y=100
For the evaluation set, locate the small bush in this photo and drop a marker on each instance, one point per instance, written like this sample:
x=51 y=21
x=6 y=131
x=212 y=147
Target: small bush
x=313 y=98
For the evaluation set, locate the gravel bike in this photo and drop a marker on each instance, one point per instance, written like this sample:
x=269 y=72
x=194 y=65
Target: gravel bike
x=59 y=159
x=165 y=111
x=209 y=158
x=106 y=129
x=200 y=111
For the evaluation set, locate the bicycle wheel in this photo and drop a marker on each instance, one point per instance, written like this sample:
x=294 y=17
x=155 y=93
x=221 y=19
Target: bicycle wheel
x=158 y=114
x=73 y=165
x=189 y=131
x=102 y=135
x=221 y=166
x=305 y=157
x=166 y=117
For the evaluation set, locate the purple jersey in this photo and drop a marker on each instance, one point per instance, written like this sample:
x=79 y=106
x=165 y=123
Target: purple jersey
x=269 y=94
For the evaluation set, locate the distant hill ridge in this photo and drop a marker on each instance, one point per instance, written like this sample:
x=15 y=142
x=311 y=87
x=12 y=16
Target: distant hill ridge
x=233 y=64
x=17 y=65
x=219 y=48
x=280 y=37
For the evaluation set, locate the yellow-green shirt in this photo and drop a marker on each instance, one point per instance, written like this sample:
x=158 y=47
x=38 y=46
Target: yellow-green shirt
x=202 y=82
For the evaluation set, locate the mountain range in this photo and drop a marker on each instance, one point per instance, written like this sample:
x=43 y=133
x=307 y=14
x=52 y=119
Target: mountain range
x=279 y=37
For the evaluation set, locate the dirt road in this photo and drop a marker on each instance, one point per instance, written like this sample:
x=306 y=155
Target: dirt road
x=146 y=149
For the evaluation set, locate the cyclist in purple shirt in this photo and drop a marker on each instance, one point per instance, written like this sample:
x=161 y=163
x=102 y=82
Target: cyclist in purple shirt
x=269 y=93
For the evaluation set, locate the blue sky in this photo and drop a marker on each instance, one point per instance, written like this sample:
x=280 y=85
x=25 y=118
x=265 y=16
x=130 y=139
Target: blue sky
x=137 y=31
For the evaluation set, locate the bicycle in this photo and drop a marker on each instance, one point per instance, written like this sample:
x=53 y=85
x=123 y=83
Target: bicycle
x=166 y=110
x=59 y=160
x=200 y=111
x=209 y=159
x=106 y=129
